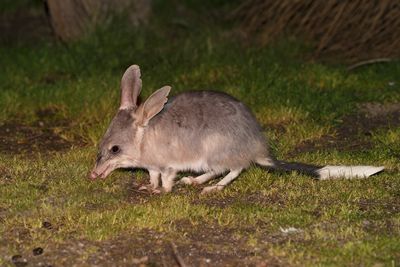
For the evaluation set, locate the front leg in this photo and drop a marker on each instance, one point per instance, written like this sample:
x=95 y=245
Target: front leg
x=154 y=182
x=167 y=179
x=154 y=179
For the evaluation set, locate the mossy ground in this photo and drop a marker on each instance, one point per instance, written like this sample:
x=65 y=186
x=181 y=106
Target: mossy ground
x=57 y=100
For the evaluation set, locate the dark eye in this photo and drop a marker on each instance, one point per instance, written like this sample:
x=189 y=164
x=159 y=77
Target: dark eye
x=115 y=149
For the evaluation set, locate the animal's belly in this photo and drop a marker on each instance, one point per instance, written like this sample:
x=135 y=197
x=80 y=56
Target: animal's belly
x=196 y=165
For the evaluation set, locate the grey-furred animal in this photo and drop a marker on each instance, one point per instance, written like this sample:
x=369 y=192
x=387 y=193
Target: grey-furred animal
x=205 y=132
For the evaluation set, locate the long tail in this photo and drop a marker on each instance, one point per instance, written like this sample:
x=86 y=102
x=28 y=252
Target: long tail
x=322 y=172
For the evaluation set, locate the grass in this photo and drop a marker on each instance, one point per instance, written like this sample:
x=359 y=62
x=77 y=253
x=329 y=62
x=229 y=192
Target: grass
x=340 y=222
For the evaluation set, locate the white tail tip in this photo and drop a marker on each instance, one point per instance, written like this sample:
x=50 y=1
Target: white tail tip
x=330 y=172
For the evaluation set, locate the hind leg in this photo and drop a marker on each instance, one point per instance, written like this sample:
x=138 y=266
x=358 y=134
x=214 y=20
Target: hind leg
x=232 y=175
x=201 y=179
x=266 y=162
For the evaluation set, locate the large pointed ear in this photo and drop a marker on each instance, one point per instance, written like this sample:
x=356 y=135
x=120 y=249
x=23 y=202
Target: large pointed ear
x=131 y=85
x=153 y=105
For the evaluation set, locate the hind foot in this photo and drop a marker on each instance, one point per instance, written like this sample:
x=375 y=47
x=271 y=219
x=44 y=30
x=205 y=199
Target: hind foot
x=212 y=189
x=189 y=180
x=232 y=175
x=201 y=179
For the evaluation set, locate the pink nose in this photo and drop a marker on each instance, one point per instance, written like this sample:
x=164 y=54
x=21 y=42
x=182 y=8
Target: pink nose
x=93 y=175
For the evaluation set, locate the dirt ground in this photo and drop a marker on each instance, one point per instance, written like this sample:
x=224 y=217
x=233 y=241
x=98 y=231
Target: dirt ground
x=355 y=130
x=48 y=133
x=202 y=245
x=188 y=245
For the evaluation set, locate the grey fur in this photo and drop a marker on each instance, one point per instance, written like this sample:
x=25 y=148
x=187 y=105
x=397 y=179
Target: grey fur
x=206 y=132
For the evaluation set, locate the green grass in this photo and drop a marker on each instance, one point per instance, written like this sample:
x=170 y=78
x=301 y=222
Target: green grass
x=341 y=222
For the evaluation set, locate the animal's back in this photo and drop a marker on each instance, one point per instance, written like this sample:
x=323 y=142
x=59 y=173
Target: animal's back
x=214 y=128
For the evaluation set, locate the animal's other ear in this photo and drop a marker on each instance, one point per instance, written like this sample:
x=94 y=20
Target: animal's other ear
x=131 y=85
x=153 y=105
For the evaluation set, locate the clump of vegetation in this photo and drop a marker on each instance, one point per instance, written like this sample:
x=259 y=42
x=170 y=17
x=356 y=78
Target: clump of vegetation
x=353 y=31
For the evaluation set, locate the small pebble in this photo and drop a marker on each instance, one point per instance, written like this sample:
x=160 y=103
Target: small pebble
x=19 y=261
x=366 y=223
x=37 y=251
x=47 y=225
x=16 y=258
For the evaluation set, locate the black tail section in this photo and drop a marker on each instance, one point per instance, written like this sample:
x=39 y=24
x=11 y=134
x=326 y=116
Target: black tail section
x=308 y=169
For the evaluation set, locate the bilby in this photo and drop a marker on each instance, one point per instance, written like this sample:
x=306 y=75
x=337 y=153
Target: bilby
x=205 y=132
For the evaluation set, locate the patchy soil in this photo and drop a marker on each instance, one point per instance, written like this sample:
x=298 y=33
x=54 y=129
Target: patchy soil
x=211 y=245
x=195 y=245
x=49 y=133
x=355 y=130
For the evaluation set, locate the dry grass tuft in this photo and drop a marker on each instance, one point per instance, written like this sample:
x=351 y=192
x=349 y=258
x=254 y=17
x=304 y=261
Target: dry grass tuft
x=357 y=30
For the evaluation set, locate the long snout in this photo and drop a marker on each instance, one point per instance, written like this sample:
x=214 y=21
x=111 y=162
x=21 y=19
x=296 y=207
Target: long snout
x=101 y=170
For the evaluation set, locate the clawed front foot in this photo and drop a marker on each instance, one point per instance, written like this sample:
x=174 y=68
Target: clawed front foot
x=149 y=188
